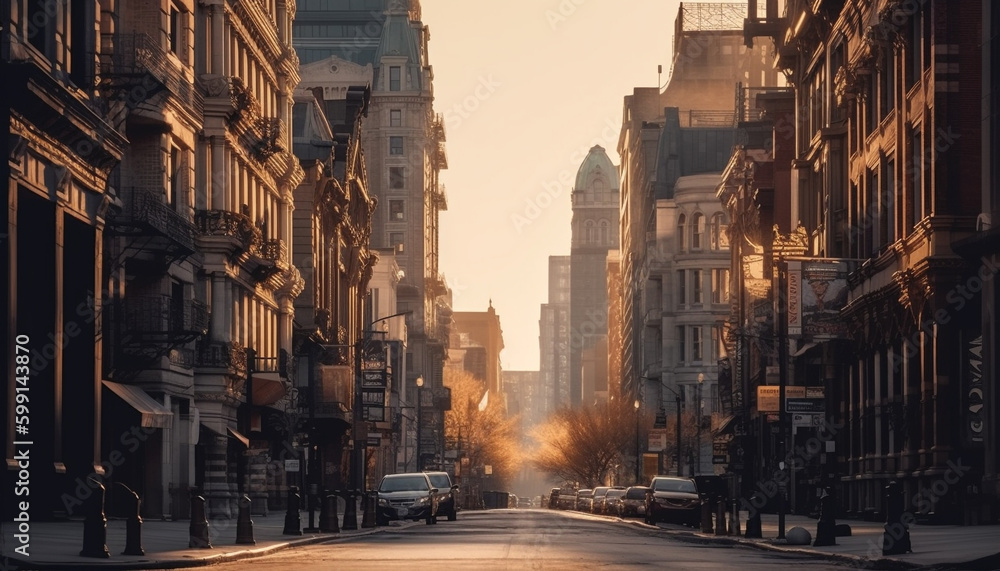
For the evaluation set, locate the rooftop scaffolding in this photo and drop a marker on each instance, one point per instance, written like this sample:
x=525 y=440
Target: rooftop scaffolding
x=707 y=17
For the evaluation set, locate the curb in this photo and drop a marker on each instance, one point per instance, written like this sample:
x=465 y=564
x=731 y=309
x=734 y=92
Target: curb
x=20 y=564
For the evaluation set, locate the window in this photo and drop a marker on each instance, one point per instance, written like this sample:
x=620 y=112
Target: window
x=696 y=345
x=718 y=237
x=394 y=74
x=681 y=231
x=698 y=230
x=918 y=186
x=682 y=287
x=396 y=146
x=174 y=29
x=681 y=346
x=396 y=241
x=174 y=174
x=696 y=287
x=395 y=118
x=395 y=210
x=604 y=231
x=589 y=232
x=718 y=343
x=720 y=286
x=396 y=179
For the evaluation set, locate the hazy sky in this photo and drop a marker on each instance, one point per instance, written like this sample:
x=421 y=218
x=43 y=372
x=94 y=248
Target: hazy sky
x=526 y=87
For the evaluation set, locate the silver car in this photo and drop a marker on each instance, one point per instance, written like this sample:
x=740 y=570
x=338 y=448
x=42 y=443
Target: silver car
x=407 y=496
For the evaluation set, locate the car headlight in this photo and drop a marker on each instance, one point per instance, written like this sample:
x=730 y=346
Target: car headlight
x=383 y=502
x=423 y=500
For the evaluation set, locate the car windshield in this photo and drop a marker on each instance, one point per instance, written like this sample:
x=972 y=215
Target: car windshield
x=404 y=484
x=674 y=485
x=440 y=481
x=615 y=493
x=636 y=493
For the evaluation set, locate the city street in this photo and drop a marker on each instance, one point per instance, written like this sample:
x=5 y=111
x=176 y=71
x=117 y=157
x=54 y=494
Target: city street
x=525 y=539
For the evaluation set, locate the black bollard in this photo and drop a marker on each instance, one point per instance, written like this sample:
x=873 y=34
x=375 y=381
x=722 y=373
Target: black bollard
x=350 y=511
x=896 y=538
x=826 y=527
x=95 y=526
x=328 y=514
x=706 y=515
x=720 y=517
x=244 y=525
x=370 y=502
x=753 y=518
x=133 y=527
x=198 y=529
x=292 y=520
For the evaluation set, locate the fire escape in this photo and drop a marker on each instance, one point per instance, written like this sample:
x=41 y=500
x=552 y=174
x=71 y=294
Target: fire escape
x=147 y=235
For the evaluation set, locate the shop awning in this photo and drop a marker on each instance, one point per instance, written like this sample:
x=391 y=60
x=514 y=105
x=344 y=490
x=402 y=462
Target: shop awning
x=726 y=426
x=154 y=414
x=230 y=433
x=268 y=388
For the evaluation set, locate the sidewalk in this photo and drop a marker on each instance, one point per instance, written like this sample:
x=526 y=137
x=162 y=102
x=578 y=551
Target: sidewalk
x=57 y=545
x=934 y=546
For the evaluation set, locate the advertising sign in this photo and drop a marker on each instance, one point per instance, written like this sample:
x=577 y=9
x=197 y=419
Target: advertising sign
x=657 y=440
x=817 y=292
x=375 y=378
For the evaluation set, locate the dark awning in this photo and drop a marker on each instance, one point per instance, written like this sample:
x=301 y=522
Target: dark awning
x=230 y=433
x=268 y=388
x=154 y=414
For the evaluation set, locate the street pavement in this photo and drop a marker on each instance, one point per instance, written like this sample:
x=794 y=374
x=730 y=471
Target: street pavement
x=57 y=545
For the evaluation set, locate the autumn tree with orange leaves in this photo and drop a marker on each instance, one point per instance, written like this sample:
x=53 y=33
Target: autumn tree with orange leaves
x=487 y=436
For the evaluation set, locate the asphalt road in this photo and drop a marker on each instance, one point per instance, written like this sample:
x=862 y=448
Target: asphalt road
x=523 y=539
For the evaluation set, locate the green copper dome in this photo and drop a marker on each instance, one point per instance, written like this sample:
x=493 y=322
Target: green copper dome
x=596 y=167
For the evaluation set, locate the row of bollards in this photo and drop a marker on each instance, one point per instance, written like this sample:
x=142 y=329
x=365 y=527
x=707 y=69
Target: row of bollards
x=95 y=525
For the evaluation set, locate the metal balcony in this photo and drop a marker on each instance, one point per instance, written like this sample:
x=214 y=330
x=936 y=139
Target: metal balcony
x=163 y=319
x=221 y=357
x=240 y=231
x=141 y=67
x=152 y=225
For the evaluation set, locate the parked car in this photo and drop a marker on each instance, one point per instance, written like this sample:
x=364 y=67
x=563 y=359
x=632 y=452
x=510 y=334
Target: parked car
x=633 y=503
x=584 y=499
x=598 y=500
x=407 y=496
x=448 y=494
x=553 y=502
x=612 y=501
x=567 y=499
x=671 y=498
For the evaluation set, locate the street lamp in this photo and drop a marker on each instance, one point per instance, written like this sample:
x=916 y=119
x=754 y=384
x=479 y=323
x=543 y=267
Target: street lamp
x=637 y=475
x=360 y=433
x=698 y=412
x=420 y=421
x=680 y=402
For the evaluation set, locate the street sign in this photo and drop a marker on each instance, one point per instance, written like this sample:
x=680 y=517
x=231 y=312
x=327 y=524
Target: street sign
x=291 y=465
x=657 y=440
x=373 y=413
x=804 y=405
x=374 y=441
x=376 y=378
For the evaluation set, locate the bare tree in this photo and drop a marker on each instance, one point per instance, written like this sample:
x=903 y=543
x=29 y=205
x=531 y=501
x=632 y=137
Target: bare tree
x=587 y=444
x=485 y=434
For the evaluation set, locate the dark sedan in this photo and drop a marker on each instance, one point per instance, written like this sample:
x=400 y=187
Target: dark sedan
x=673 y=499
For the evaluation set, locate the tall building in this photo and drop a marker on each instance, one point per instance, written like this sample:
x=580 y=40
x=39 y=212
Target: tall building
x=60 y=151
x=594 y=234
x=404 y=152
x=553 y=338
x=479 y=336
x=887 y=171
x=685 y=129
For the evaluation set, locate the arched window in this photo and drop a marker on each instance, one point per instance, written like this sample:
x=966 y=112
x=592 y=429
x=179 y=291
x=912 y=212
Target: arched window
x=605 y=232
x=681 y=234
x=588 y=232
x=718 y=237
x=697 y=230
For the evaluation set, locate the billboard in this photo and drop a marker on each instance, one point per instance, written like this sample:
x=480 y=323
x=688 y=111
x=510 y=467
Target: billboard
x=817 y=292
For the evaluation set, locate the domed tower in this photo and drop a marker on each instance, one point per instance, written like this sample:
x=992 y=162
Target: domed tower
x=595 y=232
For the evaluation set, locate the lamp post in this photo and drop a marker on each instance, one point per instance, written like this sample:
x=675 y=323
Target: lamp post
x=698 y=412
x=420 y=420
x=359 y=426
x=680 y=402
x=637 y=474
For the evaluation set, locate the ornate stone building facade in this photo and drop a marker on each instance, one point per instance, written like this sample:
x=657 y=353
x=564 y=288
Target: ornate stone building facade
x=887 y=172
